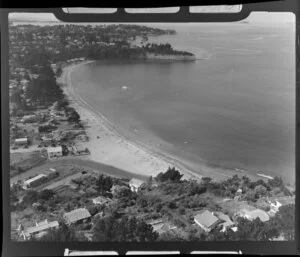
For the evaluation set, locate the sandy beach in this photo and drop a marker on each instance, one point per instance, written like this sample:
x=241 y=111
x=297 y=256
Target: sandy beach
x=108 y=146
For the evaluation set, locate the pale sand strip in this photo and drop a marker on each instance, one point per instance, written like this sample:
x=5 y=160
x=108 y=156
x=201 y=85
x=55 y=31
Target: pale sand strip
x=111 y=147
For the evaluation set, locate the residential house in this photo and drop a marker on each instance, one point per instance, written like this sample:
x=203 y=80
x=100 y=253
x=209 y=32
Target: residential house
x=206 y=220
x=136 y=184
x=35 y=181
x=21 y=141
x=38 y=230
x=77 y=216
x=253 y=214
x=54 y=152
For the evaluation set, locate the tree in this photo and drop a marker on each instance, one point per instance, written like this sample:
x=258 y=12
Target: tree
x=104 y=183
x=124 y=229
x=74 y=117
x=285 y=218
x=122 y=192
x=206 y=180
x=31 y=197
x=171 y=174
x=250 y=196
x=172 y=205
x=46 y=194
x=275 y=182
x=260 y=191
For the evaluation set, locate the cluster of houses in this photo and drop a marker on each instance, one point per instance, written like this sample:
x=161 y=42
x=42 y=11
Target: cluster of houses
x=208 y=220
x=205 y=219
x=41 y=228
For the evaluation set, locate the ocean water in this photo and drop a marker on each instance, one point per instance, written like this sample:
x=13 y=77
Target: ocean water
x=234 y=106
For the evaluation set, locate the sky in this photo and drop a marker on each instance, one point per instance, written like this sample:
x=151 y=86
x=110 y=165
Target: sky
x=258 y=17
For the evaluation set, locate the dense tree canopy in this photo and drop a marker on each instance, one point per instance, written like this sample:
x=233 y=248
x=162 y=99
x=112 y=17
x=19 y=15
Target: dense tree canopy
x=124 y=229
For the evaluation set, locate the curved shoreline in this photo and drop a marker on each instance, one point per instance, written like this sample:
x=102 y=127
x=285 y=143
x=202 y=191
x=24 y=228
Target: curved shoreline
x=115 y=138
x=139 y=154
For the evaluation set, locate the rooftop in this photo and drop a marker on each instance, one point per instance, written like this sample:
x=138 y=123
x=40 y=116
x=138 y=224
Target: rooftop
x=54 y=149
x=34 y=178
x=24 y=139
x=100 y=200
x=206 y=218
x=41 y=227
x=76 y=215
x=257 y=213
x=136 y=182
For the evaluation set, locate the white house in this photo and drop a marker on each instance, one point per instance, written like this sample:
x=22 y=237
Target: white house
x=21 y=141
x=136 y=184
x=54 y=152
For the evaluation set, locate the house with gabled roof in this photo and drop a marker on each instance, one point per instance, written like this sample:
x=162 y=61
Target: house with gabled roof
x=206 y=220
x=38 y=230
x=76 y=216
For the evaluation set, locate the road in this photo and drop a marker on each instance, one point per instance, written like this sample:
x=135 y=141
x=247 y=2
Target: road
x=82 y=162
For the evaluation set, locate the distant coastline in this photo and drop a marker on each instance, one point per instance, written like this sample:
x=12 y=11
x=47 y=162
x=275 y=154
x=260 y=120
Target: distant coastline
x=170 y=57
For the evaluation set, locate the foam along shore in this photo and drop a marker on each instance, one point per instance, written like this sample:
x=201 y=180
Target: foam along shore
x=108 y=146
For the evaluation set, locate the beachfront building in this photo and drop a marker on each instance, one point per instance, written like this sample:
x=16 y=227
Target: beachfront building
x=21 y=141
x=38 y=230
x=254 y=214
x=76 y=216
x=206 y=220
x=54 y=152
x=35 y=181
x=136 y=184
